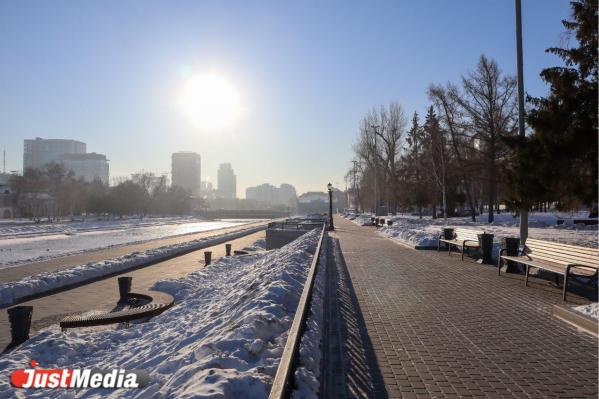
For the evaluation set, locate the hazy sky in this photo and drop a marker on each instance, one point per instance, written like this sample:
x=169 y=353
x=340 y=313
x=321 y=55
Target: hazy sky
x=110 y=73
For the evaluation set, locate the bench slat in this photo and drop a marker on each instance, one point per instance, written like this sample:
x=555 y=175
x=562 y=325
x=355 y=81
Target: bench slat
x=574 y=248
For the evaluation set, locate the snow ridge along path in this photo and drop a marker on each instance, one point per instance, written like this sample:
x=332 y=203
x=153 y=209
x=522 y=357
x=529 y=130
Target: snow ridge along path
x=223 y=338
x=46 y=282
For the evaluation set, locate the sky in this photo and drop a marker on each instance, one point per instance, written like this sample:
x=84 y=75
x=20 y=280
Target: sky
x=111 y=73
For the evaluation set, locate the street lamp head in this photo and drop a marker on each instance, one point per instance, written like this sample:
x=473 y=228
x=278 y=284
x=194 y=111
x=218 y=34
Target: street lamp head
x=330 y=187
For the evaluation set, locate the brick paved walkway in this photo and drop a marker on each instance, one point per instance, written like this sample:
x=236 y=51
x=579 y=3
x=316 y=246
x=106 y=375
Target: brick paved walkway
x=66 y=262
x=103 y=294
x=444 y=328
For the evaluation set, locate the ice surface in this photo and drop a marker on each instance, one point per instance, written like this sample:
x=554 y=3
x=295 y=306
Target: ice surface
x=26 y=243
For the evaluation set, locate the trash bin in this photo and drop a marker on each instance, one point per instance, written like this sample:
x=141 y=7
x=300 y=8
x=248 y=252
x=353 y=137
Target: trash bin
x=124 y=287
x=486 y=246
x=511 y=245
x=389 y=222
x=372 y=219
x=382 y=221
x=448 y=233
x=228 y=249
x=20 y=323
x=207 y=257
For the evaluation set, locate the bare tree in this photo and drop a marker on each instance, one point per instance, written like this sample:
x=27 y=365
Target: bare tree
x=451 y=120
x=488 y=103
x=438 y=154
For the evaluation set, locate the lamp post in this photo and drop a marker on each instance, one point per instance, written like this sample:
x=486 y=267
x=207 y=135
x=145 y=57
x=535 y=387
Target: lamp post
x=376 y=166
x=521 y=128
x=330 y=188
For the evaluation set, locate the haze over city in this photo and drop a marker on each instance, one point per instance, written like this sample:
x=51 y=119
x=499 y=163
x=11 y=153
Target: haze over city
x=296 y=78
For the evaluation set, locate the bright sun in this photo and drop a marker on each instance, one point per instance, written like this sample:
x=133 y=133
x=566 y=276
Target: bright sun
x=210 y=102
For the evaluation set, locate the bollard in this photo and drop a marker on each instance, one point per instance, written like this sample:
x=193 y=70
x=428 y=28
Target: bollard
x=125 y=283
x=511 y=244
x=207 y=257
x=20 y=324
x=228 y=249
x=486 y=246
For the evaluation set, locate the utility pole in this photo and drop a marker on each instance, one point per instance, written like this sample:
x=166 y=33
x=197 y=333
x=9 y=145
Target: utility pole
x=356 y=205
x=521 y=128
x=376 y=171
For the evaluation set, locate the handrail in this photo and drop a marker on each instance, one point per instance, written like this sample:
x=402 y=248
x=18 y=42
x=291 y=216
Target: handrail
x=285 y=371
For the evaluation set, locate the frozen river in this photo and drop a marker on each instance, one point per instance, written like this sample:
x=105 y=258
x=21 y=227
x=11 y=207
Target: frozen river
x=19 y=244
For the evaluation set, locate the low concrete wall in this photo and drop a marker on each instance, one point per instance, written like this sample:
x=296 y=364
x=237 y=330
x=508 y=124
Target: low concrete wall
x=276 y=238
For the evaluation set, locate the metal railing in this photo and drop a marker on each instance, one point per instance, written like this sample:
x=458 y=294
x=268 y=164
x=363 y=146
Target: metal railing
x=284 y=377
x=293 y=225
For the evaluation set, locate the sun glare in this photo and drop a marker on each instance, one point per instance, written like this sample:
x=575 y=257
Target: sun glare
x=211 y=102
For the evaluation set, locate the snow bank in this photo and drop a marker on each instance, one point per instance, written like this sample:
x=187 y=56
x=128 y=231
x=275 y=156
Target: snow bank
x=44 y=282
x=307 y=374
x=223 y=338
x=591 y=310
x=425 y=232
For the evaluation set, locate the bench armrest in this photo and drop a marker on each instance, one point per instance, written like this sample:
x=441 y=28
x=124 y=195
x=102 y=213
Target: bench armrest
x=570 y=265
x=501 y=251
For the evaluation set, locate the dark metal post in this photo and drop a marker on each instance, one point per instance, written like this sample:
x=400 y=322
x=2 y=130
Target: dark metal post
x=330 y=187
x=20 y=324
x=521 y=128
x=207 y=257
x=125 y=283
x=228 y=249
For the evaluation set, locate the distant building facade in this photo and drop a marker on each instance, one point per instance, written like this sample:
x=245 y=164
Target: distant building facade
x=271 y=195
x=89 y=167
x=227 y=181
x=186 y=171
x=8 y=200
x=318 y=202
x=38 y=152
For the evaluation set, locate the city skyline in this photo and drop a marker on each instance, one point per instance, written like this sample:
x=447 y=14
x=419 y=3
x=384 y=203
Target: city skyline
x=298 y=101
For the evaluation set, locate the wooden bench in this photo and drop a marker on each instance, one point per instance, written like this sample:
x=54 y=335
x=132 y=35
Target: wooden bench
x=561 y=259
x=463 y=238
x=146 y=304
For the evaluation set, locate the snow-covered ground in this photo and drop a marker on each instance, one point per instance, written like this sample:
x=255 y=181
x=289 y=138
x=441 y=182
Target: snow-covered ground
x=44 y=282
x=25 y=243
x=425 y=232
x=223 y=338
x=591 y=310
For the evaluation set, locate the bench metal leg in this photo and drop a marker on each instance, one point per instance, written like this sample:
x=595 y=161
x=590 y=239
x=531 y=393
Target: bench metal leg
x=565 y=283
x=526 y=277
x=449 y=249
x=499 y=265
x=463 y=249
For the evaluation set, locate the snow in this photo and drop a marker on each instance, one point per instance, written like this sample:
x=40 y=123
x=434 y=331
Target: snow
x=21 y=244
x=44 y=282
x=591 y=310
x=223 y=338
x=307 y=374
x=424 y=232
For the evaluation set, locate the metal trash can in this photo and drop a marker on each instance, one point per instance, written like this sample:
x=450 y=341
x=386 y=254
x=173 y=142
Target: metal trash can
x=389 y=222
x=228 y=249
x=511 y=245
x=20 y=324
x=448 y=233
x=207 y=257
x=486 y=246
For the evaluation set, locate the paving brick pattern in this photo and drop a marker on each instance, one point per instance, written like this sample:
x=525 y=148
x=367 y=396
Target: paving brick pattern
x=444 y=328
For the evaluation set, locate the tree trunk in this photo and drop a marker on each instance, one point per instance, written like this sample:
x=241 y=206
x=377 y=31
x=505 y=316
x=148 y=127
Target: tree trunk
x=492 y=187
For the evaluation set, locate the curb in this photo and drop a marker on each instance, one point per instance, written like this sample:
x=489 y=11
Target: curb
x=577 y=319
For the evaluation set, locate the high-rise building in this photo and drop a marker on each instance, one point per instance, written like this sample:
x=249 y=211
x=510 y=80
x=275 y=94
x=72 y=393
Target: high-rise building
x=89 y=167
x=186 y=171
x=227 y=181
x=38 y=152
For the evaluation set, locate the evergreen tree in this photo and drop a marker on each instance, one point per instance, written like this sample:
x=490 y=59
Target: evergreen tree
x=559 y=160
